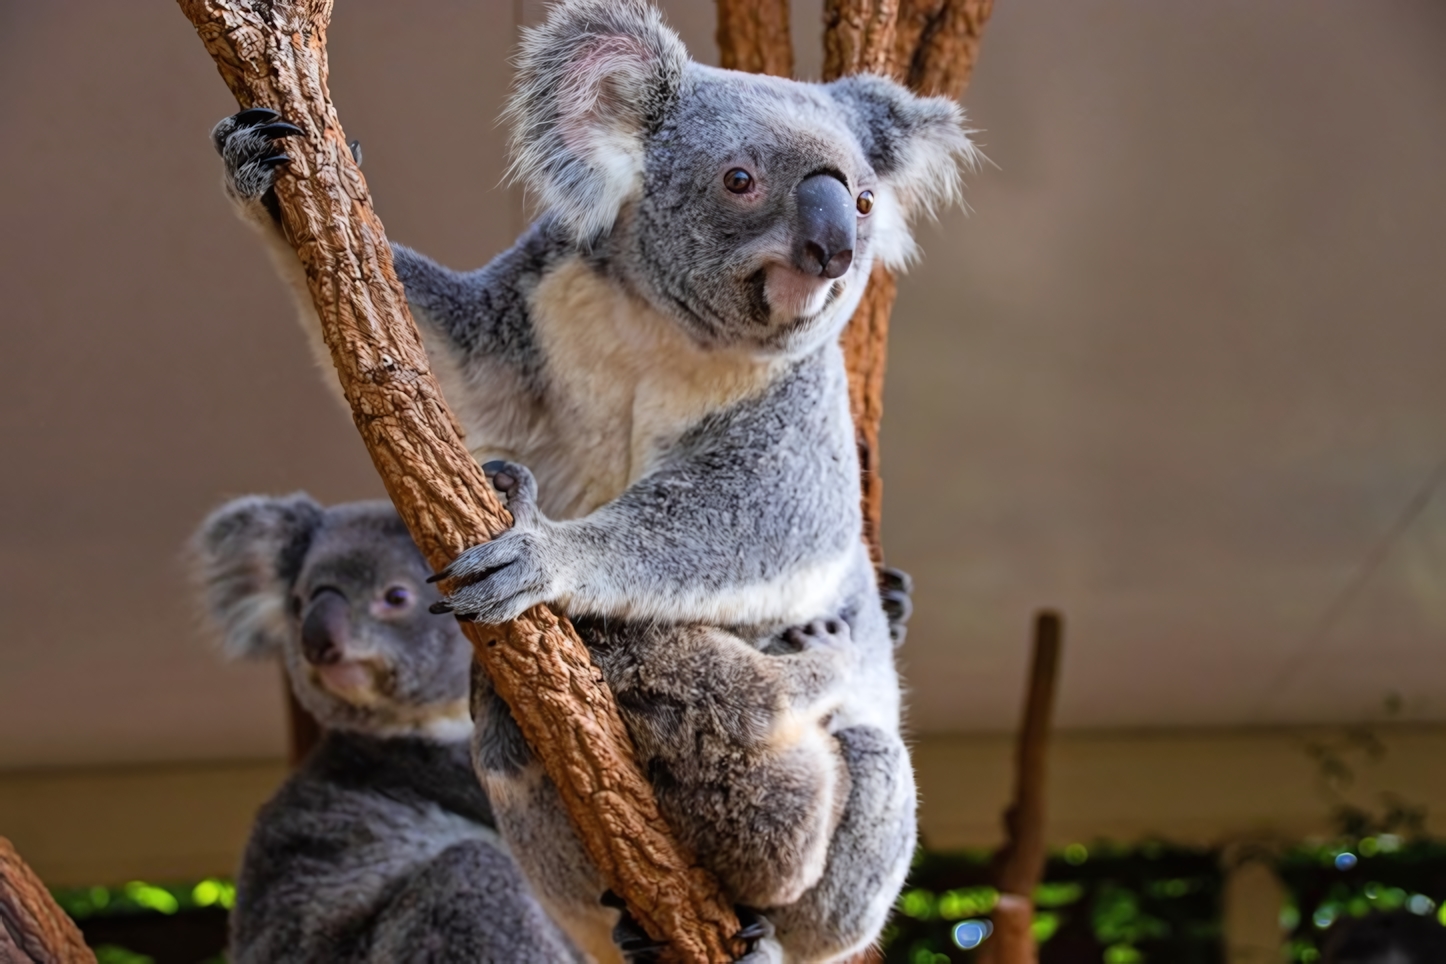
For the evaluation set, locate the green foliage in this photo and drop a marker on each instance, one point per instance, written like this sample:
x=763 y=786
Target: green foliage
x=138 y=897
x=1355 y=875
x=1113 y=905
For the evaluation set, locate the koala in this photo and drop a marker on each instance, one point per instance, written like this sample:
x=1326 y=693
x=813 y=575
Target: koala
x=652 y=377
x=381 y=846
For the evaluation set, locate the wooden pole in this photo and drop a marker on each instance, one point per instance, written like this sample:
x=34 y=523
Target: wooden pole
x=1019 y=865
x=33 y=928
x=272 y=53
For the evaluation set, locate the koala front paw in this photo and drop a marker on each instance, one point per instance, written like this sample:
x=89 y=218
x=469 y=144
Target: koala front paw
x=500 y=580
x=896 y=590
x=247 y=143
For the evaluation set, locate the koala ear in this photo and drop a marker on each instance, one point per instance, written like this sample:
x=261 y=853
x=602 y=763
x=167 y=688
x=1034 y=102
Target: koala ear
x=593 y=81
x=915 y=145
x=248 y=555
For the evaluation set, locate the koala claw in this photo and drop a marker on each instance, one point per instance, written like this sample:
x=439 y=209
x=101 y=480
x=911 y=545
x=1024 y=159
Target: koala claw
x=255 y=115
x=895 y=591
x=246 y=141
x=639 y=948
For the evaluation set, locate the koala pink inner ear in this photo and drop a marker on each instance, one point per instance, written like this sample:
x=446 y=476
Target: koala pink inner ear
x=600 y=91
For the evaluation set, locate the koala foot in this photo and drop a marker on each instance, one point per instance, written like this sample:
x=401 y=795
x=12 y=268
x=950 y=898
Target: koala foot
x=832 y=633
x=499 y=580
x=638 y=948
x=896 y=589
x=247 y=143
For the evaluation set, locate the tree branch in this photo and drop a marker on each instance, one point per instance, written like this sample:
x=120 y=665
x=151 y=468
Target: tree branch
x=272 y=53
x=33 y=928
x=753 y=35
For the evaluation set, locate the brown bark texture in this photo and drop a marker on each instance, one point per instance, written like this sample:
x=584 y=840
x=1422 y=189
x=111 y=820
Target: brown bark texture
x=930 y=45
x=272 y=53
x=753 y=35
x=33 y=928
x=1019 y=864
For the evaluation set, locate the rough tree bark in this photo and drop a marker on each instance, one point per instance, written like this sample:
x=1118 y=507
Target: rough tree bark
x=931 y=46
x=272 y=53
x=33 y=928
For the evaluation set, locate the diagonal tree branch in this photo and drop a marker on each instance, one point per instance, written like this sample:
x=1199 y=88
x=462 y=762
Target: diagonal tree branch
x=33 y=929
x=272 y=53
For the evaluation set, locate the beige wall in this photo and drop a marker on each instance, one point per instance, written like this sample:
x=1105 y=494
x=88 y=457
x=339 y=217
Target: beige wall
x=1210 y=788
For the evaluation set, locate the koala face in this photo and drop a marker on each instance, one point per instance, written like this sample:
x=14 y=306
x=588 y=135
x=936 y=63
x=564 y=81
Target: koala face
x=340 y=595
x=750 y=209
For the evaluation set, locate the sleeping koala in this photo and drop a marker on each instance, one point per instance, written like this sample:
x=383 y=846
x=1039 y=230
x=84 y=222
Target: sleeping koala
x=380 y=847
x=654 y=367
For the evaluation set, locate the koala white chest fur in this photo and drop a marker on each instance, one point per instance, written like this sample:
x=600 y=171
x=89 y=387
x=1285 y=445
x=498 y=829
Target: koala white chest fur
x=654 y=364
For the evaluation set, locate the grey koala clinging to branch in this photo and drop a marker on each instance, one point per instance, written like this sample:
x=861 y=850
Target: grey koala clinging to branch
x=660 y=352
x=381 y=846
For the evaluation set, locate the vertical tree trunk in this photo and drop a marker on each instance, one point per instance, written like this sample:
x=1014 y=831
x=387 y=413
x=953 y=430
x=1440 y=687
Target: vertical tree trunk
x=272 y=53
x=753 y=35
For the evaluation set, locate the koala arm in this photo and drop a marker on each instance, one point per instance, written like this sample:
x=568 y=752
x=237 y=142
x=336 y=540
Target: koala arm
x=753 y=519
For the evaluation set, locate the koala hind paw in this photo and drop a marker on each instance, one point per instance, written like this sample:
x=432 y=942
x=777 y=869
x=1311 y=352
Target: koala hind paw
x=638 y=948
x=820 y=632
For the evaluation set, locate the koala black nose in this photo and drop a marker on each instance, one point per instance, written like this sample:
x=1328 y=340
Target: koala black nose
x=827 y=225
x=325 y=627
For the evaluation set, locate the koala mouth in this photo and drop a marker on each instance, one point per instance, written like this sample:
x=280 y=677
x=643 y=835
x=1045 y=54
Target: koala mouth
x=795 y=296
x=349 y=679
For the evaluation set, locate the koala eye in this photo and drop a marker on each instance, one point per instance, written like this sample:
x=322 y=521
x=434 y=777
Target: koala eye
x=738 y=181
x=865 y=202
x=397 y=596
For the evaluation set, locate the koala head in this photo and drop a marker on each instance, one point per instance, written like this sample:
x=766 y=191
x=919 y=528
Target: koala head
x=340 y=596
x=748 y=208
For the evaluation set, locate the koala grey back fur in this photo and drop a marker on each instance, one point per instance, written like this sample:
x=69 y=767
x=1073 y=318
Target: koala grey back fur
x=381 y=846
x=655 y=365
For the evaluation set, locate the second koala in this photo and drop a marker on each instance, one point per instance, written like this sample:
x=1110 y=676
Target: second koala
x=660 y=351
x=380 y=846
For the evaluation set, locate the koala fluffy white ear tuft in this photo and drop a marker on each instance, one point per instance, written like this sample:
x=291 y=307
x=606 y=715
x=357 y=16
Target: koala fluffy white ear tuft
x=916 y=145
x=248 y=554
x=593 y=81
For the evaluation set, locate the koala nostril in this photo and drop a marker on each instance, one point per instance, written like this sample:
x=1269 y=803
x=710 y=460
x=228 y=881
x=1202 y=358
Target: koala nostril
x=815 y=258
x=324 y=630
x=839 y=263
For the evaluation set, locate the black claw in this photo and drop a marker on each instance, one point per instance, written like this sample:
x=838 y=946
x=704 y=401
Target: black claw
x=439 y=608
x=751 y=932
x=256 y=115
x=492 y=467
x=610 y=898
x=275 y=160
x=437 y=577
x=279 y=129
x=896 y=580
x=640 y=945
x=356 y=154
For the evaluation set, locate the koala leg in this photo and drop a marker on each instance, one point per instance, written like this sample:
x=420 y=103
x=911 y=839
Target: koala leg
x=736 y=745
x=868 y=856
x=531 y=819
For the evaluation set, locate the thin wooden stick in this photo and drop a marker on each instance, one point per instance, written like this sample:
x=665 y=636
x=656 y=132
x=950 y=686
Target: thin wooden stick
x=33 y=928
x=272 y=53
x=1019 y=865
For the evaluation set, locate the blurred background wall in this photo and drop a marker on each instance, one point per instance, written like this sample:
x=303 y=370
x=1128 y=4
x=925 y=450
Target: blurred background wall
x=1178 y=374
